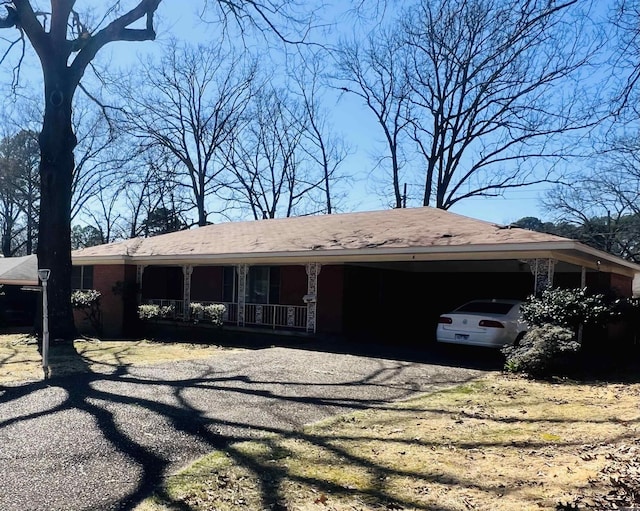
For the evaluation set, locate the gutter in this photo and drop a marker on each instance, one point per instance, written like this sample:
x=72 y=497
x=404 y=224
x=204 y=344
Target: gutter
x=556 y=250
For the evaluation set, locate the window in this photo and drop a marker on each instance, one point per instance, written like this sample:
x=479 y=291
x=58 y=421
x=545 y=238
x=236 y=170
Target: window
x=486 y=307
x=263 y=285
x=82 y=277
x=229 y=284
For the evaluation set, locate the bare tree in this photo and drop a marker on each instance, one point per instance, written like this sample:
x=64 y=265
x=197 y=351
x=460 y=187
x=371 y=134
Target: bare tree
x=193 y=101
x=625 y=18
x=490 y=95
x=150 y=188
x=9 y=206
x=604 y=202
x=66 y=45
x=325 y=148
x=19 y=196
x=269 y=163
x=375 y=72
x=101 y=156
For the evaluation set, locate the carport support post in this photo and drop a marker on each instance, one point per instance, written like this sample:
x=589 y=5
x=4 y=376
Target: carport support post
x=313 y=270
x=542 y=270
x=186 y=292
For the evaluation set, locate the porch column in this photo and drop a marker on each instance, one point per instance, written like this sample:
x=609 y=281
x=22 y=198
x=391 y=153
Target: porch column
x=542 y=270
x=243 y=270
x=186 y=292
x=139 y=273
x=313 y=270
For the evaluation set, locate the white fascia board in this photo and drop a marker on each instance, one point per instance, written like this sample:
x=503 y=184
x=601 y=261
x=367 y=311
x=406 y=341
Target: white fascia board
x=9 y=282
x=490 y=251
x=600 y=255
x=583 y=255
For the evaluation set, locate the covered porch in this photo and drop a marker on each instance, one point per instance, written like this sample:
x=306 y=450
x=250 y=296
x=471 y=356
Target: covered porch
x=264 y=296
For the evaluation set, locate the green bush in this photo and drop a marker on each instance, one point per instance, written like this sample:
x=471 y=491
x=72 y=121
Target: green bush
x=542 y=351
x=554 y=318
x=152 y=311
x=87 y=301
x=213 y=312
x=566 y=307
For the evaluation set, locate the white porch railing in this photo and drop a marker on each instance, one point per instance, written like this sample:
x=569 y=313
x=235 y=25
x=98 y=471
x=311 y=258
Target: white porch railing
x=289 y=316
x=274 y=316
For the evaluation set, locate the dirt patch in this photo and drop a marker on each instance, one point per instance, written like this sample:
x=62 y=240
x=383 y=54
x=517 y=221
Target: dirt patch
x=498 y=444
x=20 y=358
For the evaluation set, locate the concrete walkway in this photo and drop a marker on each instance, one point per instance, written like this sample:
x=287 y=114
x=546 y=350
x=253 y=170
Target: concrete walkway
x=104 y=441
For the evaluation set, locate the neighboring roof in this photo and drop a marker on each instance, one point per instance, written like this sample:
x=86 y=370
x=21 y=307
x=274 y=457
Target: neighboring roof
x=418 y=233
x=19 y=271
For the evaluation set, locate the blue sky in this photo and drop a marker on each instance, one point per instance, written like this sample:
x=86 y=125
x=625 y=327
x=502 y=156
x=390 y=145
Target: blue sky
x=358 y=126
x=177 y=18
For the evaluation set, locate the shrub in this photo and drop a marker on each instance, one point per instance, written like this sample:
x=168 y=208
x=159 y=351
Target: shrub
x=213 y=312
x=88 y=302
x=152 y=311
x=197 y=310
x=543 y=350
x=566 y=307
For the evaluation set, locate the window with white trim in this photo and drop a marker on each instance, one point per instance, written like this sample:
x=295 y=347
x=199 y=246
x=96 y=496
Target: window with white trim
x=82 y=277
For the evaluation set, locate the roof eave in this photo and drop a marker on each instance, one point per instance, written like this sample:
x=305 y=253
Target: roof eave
x=484 y=251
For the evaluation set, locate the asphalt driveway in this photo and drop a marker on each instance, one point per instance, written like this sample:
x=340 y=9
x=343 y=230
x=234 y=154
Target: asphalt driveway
x=104 y=441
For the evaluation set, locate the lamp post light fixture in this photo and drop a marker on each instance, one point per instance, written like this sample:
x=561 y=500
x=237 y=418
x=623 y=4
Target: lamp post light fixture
x=44 y=275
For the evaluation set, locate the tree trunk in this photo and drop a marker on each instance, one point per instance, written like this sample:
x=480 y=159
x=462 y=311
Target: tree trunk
x=57 y=142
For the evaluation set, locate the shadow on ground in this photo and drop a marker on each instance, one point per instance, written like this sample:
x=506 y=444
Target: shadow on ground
x=100 y=396
x=43 y=412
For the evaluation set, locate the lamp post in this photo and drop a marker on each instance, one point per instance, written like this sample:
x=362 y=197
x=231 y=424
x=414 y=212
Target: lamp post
x=44 y=277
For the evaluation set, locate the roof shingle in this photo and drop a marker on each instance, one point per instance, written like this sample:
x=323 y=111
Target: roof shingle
x=395 y=228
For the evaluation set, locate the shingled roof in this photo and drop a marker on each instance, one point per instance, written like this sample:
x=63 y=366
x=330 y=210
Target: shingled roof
x=396 y=231
x=20 y=271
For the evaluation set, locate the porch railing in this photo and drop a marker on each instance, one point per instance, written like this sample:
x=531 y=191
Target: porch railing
x=284 y=316
x=274 y=316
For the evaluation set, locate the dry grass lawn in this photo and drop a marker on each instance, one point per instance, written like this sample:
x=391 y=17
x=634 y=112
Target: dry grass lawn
x=20 y=359
x=498 y=444
x=502 y=443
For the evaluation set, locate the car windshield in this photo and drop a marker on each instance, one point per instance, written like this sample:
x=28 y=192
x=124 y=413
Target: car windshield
x=486 y=307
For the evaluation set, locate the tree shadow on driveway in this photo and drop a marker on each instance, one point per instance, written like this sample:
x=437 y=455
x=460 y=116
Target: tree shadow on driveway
x=106 y=440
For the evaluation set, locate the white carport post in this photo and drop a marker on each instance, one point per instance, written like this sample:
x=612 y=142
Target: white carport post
x=542 y=270
x=186 y=292
x=311 y=298
x=242 y=270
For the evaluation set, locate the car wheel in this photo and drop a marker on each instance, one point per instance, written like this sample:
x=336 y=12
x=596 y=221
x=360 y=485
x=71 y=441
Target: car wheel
x=518 y=339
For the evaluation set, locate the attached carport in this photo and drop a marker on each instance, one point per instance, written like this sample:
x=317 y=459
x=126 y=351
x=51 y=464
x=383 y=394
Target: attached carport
x=402 y=300
x=18 y=279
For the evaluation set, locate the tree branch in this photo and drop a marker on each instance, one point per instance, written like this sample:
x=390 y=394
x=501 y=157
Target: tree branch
x=26 y=20
x=117 y=30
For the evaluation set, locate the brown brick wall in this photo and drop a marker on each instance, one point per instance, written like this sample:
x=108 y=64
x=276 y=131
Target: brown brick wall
x=105 y=278
x=293 y=285
x=330 y=300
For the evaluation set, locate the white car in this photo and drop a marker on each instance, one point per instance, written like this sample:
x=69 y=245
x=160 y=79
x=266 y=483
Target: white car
x=492 y=323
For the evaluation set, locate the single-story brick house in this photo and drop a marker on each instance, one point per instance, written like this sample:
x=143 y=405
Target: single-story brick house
x=365 y=273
